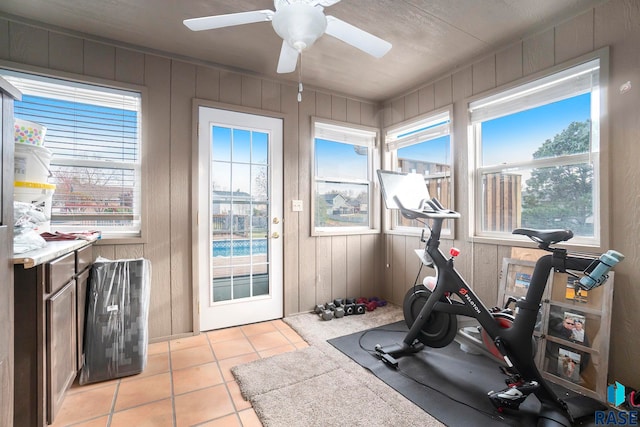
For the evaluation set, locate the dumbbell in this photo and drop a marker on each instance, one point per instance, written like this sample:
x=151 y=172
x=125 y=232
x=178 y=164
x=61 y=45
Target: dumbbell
x=378 y=301
x=337 y=310
x=368 y=305
x=350 y=306
x=324 y=313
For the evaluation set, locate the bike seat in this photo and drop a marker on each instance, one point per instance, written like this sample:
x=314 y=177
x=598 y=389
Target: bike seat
x=548 y=237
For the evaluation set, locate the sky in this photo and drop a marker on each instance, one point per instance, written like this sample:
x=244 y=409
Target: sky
x=436 y=151
x=247 y=149
x=516 y=137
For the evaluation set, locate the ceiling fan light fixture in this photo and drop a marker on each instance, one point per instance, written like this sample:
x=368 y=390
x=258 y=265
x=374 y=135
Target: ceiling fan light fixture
x=299 y=24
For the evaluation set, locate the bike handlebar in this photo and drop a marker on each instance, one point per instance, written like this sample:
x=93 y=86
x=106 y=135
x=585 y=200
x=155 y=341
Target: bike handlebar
x=435 y=211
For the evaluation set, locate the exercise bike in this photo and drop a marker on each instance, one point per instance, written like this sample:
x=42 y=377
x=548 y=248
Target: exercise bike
x=431 y=314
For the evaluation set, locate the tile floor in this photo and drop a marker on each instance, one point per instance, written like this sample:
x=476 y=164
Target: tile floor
x=187 y=382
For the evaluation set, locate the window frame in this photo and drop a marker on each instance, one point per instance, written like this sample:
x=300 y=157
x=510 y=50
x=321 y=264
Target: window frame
x=598 y=157
x=390 y=158
x=72 y=78
x=373 y=163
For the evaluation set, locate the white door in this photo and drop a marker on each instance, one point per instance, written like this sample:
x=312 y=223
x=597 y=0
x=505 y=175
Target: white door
x=240 y=206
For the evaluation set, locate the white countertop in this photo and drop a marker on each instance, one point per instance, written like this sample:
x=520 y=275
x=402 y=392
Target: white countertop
x=52 y=251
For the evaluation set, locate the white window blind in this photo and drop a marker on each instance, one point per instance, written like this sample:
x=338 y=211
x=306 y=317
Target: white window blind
x=565 y=84
x=94 y=135
x=418 y=131
x=353 y=136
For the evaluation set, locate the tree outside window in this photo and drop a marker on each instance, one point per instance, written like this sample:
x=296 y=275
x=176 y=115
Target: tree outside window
x=538 y=153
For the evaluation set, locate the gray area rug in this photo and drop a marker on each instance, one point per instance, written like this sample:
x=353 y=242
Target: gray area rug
x=320 y=386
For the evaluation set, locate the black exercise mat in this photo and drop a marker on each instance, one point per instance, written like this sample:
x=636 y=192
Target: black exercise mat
x=448 y=383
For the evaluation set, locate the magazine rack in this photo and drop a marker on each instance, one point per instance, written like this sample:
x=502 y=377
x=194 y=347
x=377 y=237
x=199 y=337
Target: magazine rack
x=574 y=327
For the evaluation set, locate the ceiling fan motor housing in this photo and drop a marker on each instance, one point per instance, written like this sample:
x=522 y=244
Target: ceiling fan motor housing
x=300 y=24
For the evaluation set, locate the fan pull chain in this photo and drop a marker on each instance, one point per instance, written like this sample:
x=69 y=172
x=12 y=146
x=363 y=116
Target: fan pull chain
x=300 y=80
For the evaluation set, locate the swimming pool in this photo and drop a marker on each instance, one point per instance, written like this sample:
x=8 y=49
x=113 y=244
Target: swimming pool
x=240 y=247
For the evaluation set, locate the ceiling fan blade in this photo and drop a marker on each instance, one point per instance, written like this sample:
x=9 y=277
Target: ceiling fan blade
x=356 y=37
x=288 y=59
x=221 y=21
x=325 y=3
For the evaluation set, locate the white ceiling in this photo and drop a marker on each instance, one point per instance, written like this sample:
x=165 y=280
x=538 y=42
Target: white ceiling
x=428 y=37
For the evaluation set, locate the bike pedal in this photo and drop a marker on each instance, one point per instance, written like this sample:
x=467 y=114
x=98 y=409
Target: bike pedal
x=389 y=360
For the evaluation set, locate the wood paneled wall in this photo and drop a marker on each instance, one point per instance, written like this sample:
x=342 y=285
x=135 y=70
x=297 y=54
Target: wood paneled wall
x=318 y=269
x=615 y=24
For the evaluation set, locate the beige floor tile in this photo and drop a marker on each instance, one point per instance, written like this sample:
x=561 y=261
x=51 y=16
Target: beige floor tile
x=156 y=414
x=227 y=421
x=156 y=364
x=180 y=381
x=96 y=422
x=191 y=357
x=202 y=405
x=188 y=342
x=291 y=335
x=280 y=325
x=77 y=388
x=225 y=335
x=196 y=377
x=143 y=390
x=232 y=348
x=249 y=418
x=86 y=406
x=277 y=350
x=268 y=340
x=159 y=347
x=258 y=328
x=236 y=396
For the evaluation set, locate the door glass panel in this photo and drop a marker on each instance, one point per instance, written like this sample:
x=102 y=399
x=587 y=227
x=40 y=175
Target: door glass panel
x=221 y=144
x=240 y=214
x=259 y=148
x=259 y=183
x=241 y=146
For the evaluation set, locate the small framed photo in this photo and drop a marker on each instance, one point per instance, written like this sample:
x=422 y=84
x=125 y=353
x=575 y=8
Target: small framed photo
x=515 y=278
x=569 y=365
x=573 y=291
x=522 y=280
x=570 y=325
x=577 y=323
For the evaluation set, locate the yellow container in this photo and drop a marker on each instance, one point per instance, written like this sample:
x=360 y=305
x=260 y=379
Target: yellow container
x=39 y=194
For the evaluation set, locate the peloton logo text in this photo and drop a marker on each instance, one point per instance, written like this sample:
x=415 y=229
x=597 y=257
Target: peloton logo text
x=466 y=296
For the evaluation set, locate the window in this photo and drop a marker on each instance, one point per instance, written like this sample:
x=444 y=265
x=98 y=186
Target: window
x=422 y=146
x=94 y=135
x=344 y=157
x=537 y=155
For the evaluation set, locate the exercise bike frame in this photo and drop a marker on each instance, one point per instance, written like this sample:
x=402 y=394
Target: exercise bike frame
x=514 y=342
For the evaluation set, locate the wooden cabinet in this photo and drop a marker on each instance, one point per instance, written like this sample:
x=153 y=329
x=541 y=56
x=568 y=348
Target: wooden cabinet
x=50 y=301
x=61 y=346
x=7 y=95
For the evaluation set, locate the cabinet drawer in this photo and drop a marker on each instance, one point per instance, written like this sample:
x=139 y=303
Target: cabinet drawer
x=84 y=258
x=60 y=271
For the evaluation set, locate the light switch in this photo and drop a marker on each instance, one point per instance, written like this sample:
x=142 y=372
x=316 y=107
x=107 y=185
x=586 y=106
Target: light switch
x=296 y=205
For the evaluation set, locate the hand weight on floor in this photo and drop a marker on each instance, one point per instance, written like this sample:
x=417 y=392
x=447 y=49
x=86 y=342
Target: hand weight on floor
x=337 y=311
x=324 y=313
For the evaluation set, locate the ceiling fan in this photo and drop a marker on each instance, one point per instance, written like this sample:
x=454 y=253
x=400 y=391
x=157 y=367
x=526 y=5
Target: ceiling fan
x=299 y=23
